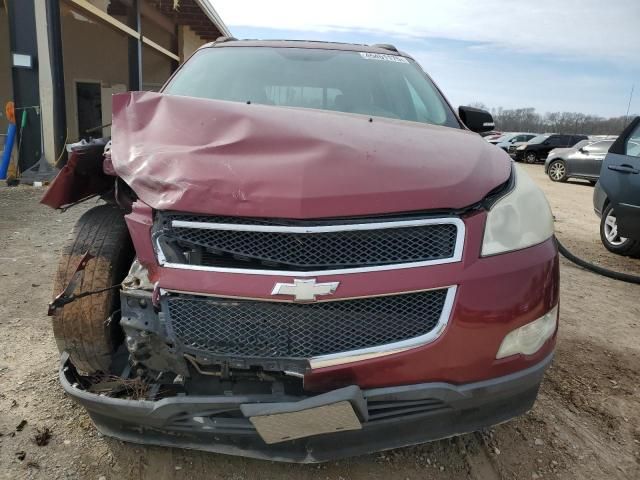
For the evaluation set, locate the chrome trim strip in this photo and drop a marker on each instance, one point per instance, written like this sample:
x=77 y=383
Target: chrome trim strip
x=310 y=229
x=457 y=253
x=629 y=205
x=341 y=358
x=283 y=300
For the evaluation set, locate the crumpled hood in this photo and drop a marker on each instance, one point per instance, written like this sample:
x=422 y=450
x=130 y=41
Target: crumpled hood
x=217 y=157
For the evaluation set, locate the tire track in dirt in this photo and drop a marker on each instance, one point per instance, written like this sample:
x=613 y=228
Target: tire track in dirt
x=480 y=464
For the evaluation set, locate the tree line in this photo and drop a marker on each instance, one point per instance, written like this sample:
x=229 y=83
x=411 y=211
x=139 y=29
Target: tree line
x=528 y=120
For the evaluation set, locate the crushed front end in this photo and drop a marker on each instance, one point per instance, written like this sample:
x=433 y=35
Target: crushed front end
x=393 y=342
x=301 y=292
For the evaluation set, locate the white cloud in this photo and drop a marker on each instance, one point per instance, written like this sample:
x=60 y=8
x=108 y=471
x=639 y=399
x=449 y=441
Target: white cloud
x=585 y=28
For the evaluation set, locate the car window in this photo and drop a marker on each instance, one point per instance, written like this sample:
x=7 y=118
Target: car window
x=555 y=140
x=600 y=147
x=581 y=144
x=538 y=139
x=633 y=143
x=345 y=81
x=310 y=97
x=421 y=110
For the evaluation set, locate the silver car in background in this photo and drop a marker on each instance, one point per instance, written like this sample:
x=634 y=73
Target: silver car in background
x=583 y=160
x=513 y=138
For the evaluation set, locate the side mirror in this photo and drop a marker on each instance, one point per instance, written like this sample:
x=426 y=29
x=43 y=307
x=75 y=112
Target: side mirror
x=476 y=119
x=546 y=142
x=583 y=151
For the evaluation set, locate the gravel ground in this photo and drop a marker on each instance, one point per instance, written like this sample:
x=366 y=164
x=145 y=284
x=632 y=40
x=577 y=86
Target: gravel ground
x=585 y=424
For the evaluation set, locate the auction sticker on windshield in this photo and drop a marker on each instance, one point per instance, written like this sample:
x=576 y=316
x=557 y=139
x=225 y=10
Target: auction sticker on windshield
x=382 y=56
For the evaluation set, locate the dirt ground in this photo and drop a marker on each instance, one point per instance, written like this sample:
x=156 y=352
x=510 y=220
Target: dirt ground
x=585 y=424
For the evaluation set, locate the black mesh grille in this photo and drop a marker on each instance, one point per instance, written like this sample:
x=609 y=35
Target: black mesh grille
x=290 y=330
x=317 y=251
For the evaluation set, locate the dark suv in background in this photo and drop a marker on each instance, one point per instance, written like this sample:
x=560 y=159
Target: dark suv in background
x=537 y=149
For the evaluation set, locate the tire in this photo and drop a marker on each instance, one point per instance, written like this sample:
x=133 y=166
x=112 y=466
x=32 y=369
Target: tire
x=80 y=327
x=530 y=157
x=610 y=239
x=558 y=171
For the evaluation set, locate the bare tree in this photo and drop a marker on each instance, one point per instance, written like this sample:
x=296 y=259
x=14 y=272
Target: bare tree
x=528 y=120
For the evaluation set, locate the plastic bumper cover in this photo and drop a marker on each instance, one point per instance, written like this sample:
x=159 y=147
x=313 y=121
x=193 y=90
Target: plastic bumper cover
x=391 y=417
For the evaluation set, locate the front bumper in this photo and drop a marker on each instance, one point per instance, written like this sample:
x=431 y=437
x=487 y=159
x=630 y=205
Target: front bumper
x=518 y=155
x=393 y=417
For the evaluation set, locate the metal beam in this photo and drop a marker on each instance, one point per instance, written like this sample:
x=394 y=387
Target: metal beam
x=153 y=15
x=160 y=49
x=92 y=11
x=25 y=81
x=54 y=33
x=85 y=7
x=135 y=46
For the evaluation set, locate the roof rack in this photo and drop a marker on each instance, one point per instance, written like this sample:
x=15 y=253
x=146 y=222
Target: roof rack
x=386 y=46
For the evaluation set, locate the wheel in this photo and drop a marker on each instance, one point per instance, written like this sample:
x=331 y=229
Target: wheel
x=610 y=238
x=530 y=157
x=558 y=171
x=81 y=327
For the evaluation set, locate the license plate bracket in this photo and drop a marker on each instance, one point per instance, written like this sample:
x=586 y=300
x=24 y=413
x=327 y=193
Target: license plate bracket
x=336 y=411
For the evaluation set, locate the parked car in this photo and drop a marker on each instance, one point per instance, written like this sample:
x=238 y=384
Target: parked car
x=515 y=147
x=493 y=139
x=313 y=257
x=511 y=150
x=583 y=160
x=490 y=135
x=616 y=198
x=512 y=139
x=537 y=149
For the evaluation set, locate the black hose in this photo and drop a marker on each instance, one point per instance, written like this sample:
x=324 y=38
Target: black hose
x=623 y=277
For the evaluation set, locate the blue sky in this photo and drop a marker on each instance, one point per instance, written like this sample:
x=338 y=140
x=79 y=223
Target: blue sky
x=554 y=55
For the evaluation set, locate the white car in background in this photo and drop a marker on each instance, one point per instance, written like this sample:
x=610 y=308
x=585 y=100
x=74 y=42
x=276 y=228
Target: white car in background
x=513 y=138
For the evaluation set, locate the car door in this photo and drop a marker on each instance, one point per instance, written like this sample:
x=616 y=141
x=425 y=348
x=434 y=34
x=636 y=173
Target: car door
x=620 y=179
x=593 y=156
x=554 y=141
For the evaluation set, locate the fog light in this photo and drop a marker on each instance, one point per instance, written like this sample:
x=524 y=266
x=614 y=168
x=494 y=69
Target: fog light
x=530 y=337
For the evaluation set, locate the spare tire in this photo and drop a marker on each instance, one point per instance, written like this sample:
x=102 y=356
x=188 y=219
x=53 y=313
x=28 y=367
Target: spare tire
x=88 y=328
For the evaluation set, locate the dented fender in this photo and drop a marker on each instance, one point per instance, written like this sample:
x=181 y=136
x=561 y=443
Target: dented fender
x=82 y=177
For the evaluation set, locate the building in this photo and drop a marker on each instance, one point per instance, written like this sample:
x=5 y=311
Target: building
x=61 y=60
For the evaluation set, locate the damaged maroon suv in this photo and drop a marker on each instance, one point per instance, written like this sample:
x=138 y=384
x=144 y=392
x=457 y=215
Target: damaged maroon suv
x=304 y=253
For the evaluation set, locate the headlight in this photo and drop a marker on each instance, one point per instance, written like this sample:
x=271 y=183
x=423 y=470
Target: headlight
x=530 y=337
x=521 y=147
x=519 y=220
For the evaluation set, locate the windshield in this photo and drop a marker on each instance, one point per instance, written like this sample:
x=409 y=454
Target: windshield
x=344 y=81
x=509 y=137
x=538 y=139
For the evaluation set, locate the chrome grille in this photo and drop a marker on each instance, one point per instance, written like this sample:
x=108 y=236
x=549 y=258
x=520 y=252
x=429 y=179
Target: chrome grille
x=257 y=244
x=289 y=330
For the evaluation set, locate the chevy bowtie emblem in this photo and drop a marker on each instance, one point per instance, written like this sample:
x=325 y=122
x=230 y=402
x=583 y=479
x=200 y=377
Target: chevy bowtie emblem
x=305 y=290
